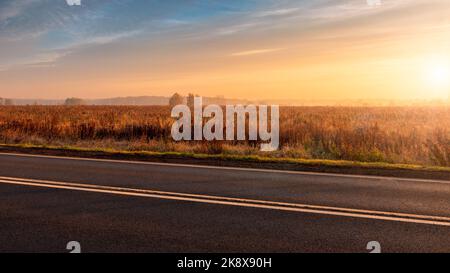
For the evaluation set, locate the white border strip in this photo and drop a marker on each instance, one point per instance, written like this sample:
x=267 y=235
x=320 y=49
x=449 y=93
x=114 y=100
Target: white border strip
x=239 y=202
x=386 y=178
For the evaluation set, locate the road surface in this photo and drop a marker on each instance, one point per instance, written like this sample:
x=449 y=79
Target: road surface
x=115 y=206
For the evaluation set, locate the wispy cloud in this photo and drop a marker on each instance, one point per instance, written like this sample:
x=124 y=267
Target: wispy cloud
x=107 y=38
x=276 y=12
x=12 y=9
x=256 y=52
x=236 y=28
x=42 y=59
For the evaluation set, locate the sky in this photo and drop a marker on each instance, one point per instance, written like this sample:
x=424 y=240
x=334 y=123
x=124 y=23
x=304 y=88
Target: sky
x=265 y=49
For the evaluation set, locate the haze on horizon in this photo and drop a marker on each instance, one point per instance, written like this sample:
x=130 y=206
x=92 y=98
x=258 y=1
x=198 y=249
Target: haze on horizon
x=265 y=49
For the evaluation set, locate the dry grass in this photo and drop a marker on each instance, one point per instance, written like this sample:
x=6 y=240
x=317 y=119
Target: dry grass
x=405 y=135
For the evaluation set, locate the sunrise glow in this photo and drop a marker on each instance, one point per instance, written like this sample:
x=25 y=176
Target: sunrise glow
x=437 y=77
x=291 y=50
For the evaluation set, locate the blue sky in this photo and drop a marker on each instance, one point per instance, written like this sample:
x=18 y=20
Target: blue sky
x=52 y=26
x=57 y=24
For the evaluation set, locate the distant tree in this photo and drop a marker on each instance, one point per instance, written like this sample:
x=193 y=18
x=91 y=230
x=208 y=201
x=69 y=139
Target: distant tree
x=74 y=101
x=190 y=99
x=4 y=101
x=175 y=100
x=220 y=100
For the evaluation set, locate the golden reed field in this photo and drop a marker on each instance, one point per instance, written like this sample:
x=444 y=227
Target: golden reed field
x=412 y=135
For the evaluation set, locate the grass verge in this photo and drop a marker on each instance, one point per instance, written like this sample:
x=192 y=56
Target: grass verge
x=251 y=161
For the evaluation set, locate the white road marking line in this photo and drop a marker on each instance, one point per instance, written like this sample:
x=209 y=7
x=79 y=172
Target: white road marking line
x=199 y=166
x=335 y=211
x=202 y=196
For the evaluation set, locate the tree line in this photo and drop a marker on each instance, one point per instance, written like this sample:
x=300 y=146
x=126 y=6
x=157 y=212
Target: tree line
x=4 y=101
x=174 y=100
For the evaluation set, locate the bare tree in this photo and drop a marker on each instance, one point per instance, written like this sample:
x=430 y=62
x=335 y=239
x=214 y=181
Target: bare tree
x=190 y=99
x=175 y=100
x=74 y=101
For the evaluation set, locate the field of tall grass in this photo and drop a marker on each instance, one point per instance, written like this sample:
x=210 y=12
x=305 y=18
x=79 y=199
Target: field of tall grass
x=411 y=135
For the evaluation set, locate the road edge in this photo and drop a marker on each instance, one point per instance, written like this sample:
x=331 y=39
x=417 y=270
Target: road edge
x=317 y=166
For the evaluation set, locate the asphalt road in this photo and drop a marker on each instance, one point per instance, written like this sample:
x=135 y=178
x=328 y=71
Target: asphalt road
x=113 y=206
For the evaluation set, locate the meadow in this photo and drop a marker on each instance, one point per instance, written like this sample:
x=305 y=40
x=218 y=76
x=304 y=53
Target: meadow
x=407 y=135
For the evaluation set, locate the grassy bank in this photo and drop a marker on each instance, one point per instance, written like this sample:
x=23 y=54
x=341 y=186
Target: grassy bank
x=250 y=161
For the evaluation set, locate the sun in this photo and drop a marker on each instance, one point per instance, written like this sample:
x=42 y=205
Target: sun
x=437 y=73
x=437 y=77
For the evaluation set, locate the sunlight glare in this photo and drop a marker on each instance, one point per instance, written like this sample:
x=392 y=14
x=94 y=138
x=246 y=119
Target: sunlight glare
x=437 y=77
